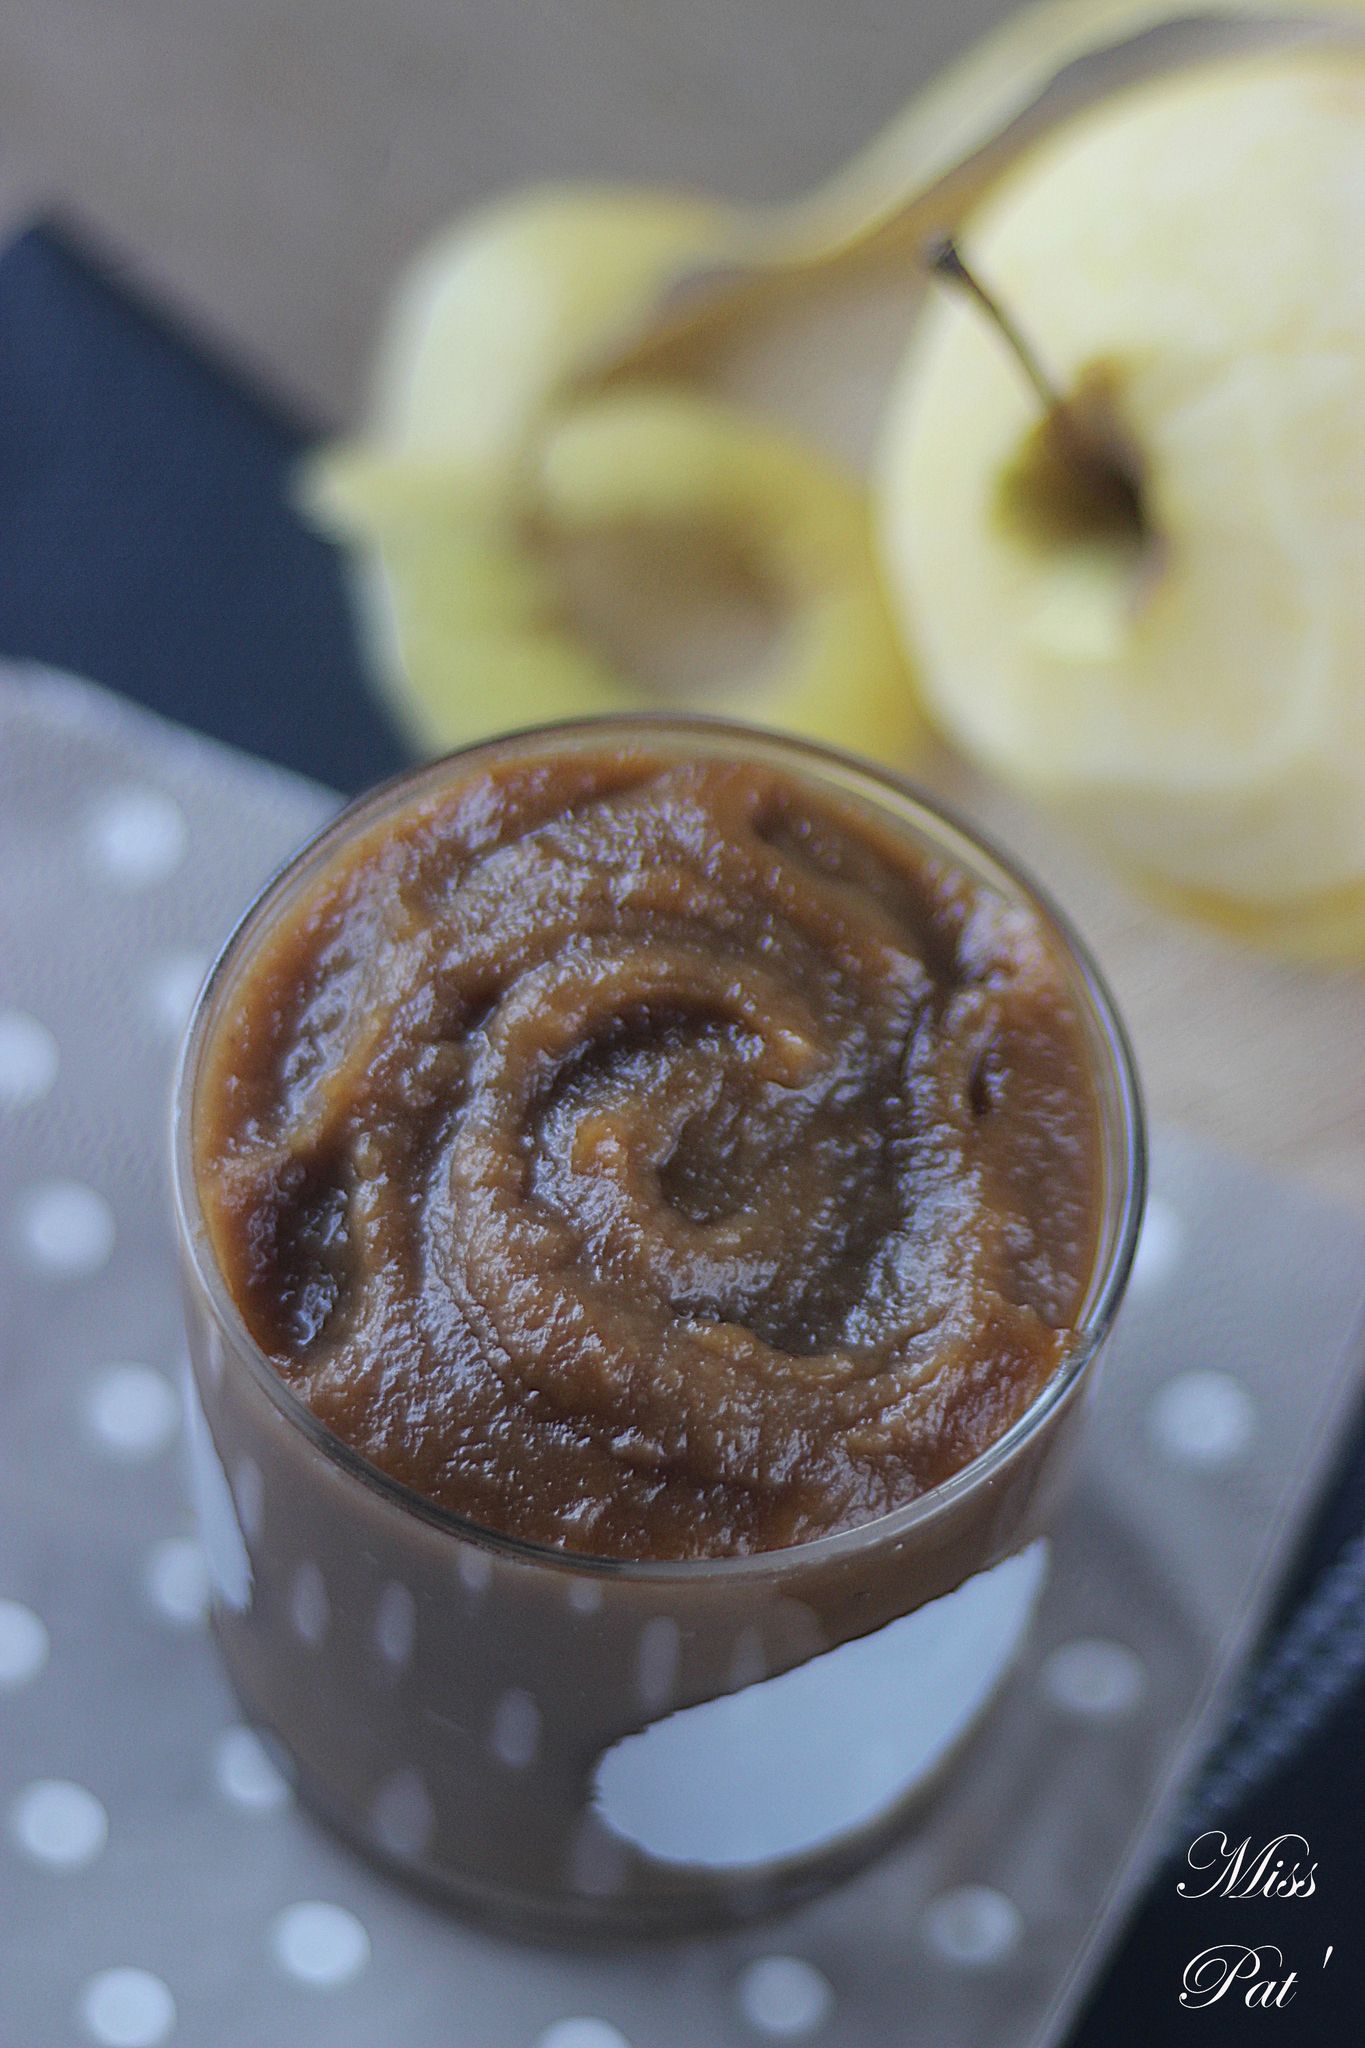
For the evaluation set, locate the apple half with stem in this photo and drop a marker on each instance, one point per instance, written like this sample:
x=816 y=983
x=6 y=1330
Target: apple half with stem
x=1177 y=666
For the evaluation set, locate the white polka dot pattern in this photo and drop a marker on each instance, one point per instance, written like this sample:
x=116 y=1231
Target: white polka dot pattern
x=246 y=1774
x=395 y=1625
x=309 y=1604
x=172 y=986
x=785 y=1997
x=403 y=1814
x=28 y=1059
x=220 y=1529
x=248 y=1493
x=748 y=1665
x=516 y=1729
x=1094 y=1679
x=135 y=837
x=66 y=1230
x=177 y=1581
x=582 y=2034
x=23 y=1645
x=320 y=1944
x=133 y=1411
x=122 y=1710
x=658 y=1660
x=973 y=1926
x=475 y=1568
x=127 y=2008
x=1203 y=1419
x=58 y=1823
x=1158 y=1247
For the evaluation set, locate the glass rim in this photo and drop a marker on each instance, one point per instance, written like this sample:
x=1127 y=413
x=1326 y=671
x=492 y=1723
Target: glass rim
x=1123 y=1140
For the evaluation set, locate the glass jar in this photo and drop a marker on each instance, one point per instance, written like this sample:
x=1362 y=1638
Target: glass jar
x=565 y=1740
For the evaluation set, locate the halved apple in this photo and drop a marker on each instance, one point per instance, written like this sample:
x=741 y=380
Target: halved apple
x=526 y=550
x=643 y=524
x=495 y=321
x=1192 y=694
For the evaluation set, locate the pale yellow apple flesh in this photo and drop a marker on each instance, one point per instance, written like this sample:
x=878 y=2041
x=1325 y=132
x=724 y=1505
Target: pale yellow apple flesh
x=476 y=618
x=493 y=322
x=527 y=548
x=1196 y=702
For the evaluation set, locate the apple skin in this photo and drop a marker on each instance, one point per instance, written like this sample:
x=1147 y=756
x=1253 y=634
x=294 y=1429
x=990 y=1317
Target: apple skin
x=499 y=316
x=489 y=448
x=462 y=600
x=1198 y=709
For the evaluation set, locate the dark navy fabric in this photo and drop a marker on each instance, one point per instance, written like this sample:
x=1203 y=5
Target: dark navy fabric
x=146 y=535
x=147 y=541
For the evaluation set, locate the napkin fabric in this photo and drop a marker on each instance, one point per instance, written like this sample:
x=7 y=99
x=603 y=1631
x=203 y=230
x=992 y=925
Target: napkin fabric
x=147 y=539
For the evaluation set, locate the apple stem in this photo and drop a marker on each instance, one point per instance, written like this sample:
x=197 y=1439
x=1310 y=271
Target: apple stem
x=946 y=260
x=1101 y=457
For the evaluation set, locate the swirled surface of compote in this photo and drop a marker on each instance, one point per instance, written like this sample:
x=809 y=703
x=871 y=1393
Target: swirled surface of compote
x=653 y=1155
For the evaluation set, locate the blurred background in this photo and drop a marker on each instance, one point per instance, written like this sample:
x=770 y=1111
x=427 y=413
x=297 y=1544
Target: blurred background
x=204 y=209
x=256 y=176
x=267 y=167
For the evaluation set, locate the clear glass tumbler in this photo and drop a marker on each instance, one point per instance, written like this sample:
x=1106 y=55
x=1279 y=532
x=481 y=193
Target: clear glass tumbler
x=563 y=1740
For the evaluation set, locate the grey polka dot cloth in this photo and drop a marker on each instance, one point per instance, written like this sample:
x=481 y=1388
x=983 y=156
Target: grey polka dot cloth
x=157 y=1881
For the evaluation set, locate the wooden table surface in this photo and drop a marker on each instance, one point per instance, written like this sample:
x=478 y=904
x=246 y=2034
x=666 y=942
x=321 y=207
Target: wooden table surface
x=264 y=165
